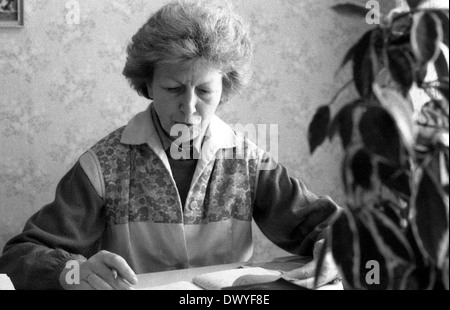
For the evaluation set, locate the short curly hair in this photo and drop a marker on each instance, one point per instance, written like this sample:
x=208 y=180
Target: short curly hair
x=184 y=30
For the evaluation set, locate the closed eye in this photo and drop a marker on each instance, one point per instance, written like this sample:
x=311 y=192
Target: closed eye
x=174 y=89
x=203 y=91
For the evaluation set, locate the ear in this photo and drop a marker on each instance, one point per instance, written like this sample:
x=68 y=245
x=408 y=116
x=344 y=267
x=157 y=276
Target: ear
x=149 y=88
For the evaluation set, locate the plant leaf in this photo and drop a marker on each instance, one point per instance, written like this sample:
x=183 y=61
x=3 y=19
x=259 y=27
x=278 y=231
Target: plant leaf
x=346 y=127
x=323 y=252
x=432 y=115
x=363 y=68
x=396 y=179
x=318 y=128
x=354 y=246
x=423 y=276
x=400 y=30
x=392 y=236
x=443 y=89
x=401 y=68
x=421 y=74
x=426 y=34
x=343 y=122
x=377 y=52
x=444 y=19
x=445 y=272
x=380 y=134
x=414 y=3
x=371 y=251
x=429 y=217
x=443 y=257
x=345 y=247
x=441 y=66
x=362 y=169
x=351 y=9
x=392 y=211
x=344 y=172
x=394 y=246
x=401 y=110
x=401 y=24
x=445 y=170
x=356 y=49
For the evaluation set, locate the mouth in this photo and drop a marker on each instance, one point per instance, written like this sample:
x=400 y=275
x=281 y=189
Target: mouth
x=186 y=124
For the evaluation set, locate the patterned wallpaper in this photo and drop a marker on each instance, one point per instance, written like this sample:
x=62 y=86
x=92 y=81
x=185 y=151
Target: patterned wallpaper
x=61 y=90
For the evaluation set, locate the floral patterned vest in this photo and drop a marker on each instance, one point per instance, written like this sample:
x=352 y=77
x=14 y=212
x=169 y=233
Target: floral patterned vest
x=145 y=219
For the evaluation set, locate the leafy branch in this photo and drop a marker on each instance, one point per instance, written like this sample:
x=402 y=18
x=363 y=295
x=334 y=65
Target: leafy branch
x=395 y=169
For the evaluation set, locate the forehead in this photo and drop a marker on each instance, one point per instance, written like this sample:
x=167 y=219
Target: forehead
x=197 y=71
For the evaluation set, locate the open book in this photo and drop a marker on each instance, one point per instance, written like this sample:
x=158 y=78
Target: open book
x=236 y=277
x=225 y=279
x=265 y=276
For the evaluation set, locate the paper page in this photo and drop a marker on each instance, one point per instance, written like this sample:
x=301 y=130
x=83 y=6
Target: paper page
x=5 y=283
x=338 y=286
x=332 y=286
x=283 y=264
x=176 y=286
x=241 y=276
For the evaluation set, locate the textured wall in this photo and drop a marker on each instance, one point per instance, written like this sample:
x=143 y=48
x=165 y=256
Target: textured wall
x=61 y=90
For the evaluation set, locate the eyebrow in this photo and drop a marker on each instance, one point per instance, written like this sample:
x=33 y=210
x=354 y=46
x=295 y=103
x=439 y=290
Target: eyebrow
x=174 y=79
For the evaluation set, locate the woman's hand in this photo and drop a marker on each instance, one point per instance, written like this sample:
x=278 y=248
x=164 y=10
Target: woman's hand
x=103 y=271
x=305 y=276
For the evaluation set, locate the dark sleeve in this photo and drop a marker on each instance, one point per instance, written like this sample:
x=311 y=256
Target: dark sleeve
x=68 y=228
x=288 y=214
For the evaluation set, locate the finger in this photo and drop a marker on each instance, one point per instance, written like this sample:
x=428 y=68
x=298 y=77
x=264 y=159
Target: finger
x=120 y=265
x=304 y=272
x=111 y=277
x=84 y=286
x=318 y=248
x=255 y=279
x=308 y=283
x=123 y=284
x=329 y=270
x=98 y=283
x=120 y=282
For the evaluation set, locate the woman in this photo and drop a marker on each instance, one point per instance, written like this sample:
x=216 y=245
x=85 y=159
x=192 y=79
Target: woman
x=169 y=190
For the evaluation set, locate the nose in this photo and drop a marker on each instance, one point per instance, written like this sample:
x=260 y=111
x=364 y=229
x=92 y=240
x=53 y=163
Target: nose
x=188 y=103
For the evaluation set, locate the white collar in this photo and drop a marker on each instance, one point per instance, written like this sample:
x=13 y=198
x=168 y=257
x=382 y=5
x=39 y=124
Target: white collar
x=141 y=130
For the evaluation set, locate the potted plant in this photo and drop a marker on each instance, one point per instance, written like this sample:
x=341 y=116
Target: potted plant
x=393 y=231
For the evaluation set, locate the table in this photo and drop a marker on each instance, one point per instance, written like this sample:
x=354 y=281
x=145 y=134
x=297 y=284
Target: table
x=157 y=280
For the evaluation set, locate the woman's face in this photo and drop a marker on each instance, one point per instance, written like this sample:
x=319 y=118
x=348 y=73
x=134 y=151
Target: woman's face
x=186 y=96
